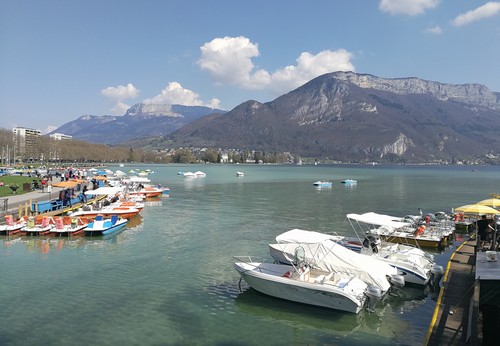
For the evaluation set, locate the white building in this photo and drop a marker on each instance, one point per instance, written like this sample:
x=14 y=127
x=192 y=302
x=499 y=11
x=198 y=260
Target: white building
x=26 y=142
x=60 y=136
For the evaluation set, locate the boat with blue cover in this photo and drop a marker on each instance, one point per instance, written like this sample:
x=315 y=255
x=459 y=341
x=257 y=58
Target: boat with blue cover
x=101 y=226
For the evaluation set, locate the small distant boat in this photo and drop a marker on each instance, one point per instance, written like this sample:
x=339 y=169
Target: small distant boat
x=240 y=174
x=200 y=174
x=189 y=175
x=320 y=183
x=349 y=181
x=101 y=226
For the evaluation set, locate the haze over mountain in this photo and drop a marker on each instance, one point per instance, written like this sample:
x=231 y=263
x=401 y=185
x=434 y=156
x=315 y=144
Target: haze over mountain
x=342 y=116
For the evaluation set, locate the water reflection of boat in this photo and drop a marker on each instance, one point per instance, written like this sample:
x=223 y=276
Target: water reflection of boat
x=135 y=221
x=325 y=320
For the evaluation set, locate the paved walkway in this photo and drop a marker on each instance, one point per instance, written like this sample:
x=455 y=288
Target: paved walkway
x=14 y=201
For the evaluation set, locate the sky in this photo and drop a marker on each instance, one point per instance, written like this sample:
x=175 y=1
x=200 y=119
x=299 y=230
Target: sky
x=62 y=59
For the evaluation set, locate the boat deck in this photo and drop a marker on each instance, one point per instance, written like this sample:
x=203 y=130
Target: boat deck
x=455 y=319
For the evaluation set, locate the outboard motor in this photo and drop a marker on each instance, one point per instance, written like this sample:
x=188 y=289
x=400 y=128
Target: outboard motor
x=437 y=273
x=429 y=256
x=374 y=295
x=397 y=282
x=372 y=242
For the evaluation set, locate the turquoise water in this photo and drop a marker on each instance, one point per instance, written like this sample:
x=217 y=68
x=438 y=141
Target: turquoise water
x=168 y=279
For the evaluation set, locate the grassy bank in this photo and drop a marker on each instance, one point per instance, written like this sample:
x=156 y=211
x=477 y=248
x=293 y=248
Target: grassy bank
x=14 y=180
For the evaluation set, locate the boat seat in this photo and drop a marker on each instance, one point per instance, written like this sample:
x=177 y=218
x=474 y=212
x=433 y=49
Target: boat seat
x=321 y=279
x=9 y=220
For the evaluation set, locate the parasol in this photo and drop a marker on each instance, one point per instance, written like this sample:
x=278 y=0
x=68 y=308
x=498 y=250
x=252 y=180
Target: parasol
x=477 y=209
x=490 y=202
x=66 y=184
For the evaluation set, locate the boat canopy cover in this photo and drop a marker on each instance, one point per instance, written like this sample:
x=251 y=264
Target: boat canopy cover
x=105 y=190
x=305 y=237
x=330 y=256
x=379 y=220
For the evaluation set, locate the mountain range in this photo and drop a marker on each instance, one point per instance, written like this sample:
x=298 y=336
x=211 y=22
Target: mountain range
x=342 y=116
x=140 y=121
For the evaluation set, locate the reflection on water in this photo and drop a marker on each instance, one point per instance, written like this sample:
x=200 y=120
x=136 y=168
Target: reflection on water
x=384 y=323
x=50 y=244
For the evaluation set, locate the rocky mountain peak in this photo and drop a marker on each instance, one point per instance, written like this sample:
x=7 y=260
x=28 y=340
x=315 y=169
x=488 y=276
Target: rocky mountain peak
x=471 y=94
x=151 y=109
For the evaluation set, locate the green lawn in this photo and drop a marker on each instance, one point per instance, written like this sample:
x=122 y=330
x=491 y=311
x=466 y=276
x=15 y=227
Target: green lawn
x=9 y=180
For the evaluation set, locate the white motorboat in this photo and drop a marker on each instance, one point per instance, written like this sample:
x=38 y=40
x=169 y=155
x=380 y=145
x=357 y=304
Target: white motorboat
x=322 y=184
x=416 y=266
x=240 y=174
x=324 y=253
x=339 y=291
x=405 y=230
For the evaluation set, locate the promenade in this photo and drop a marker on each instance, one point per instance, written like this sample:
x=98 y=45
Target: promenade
x=16 y=200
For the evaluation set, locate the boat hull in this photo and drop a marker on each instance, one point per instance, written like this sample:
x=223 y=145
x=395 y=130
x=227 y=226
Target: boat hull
x=10 y=230
x=105 y=227
x=422 y=242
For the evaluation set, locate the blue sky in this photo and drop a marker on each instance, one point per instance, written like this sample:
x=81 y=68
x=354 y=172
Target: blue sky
x=62 y=59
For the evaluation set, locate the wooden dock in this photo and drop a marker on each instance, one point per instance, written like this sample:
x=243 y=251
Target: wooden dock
x=455 y=319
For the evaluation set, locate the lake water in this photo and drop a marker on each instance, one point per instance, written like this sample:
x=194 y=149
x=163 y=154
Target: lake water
x=168 y=279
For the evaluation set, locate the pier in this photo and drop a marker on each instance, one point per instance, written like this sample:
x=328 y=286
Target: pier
x=467 y=308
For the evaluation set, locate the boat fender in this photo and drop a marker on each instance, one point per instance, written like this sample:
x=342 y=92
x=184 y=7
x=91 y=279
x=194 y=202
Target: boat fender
x=286 y=275
x=420 y=230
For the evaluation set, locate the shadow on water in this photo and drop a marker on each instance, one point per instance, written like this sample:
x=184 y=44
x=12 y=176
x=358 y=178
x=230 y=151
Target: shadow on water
x=335 y=323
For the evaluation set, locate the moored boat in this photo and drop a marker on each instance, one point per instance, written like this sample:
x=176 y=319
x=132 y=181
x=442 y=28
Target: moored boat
x=105 y=226
x=324 y=253
x=12 y=226
x=304 y=285
x=38 y=225
x=121 y=210
x=407 y=230
x=66 y=226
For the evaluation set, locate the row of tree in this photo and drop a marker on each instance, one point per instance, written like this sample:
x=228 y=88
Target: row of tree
x=71 y=150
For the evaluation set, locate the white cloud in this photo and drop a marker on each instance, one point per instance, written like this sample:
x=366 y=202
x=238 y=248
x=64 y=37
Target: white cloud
x=489 y=9
x=121 y=92
x=118 y=94
x=434 y=30
x=174 y=93
x=311 y=66
x=409 y=7
x=229 y=62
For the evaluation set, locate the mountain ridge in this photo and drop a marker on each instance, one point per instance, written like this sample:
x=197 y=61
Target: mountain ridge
x=342 y=116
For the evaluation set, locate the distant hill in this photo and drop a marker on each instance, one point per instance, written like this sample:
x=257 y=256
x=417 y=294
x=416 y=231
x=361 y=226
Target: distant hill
x=359 y=117
x=141 y=120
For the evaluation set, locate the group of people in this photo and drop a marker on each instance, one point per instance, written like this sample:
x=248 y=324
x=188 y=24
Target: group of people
x=488 y=231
